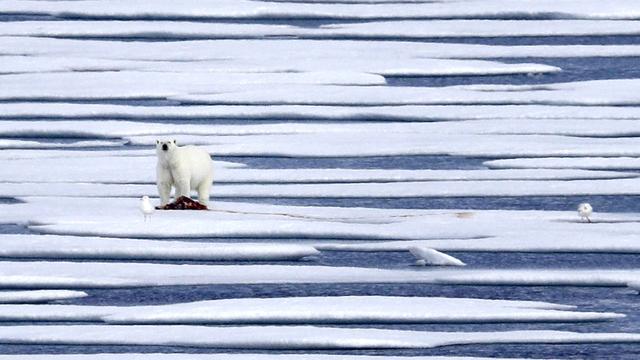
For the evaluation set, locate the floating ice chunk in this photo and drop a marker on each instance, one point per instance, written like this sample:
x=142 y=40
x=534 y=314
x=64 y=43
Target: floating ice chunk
x=246 y=55
x=28 y=144
x=72 y=275
x=410 y=113
x=427 y=256
x=373 y=30
x=288 y=337
x=159 y=85
x=68 y=247
x=307 y=310
x=241 y=9
x=38 y=296
x=602 y=163
x=598 y=92
x=325 y=66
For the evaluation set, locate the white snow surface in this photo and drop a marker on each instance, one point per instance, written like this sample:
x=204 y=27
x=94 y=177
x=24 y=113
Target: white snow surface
x=312 y=310
x=239 y=9
x=246 y=54
x=602 y=163
x=413 y=113
x=595 y=92
x=289 y=337
x=446 y=230
x=327 y=67
x=38 y=296
x=388 y=29
x=68 y=247
x=159 y=85
x=71 y=275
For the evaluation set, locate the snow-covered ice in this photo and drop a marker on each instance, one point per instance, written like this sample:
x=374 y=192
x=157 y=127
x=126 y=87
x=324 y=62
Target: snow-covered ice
x=289 y=337
x=601 y=163
x=308 y=310
x=38 y=296
x=68 y=247
x=375 y=30
x=30 y=110
x=247 y=9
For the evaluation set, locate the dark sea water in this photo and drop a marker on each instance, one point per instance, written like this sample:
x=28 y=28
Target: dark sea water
x=620 y=300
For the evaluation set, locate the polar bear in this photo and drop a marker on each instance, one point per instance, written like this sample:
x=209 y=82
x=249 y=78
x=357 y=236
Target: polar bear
x=184 y=167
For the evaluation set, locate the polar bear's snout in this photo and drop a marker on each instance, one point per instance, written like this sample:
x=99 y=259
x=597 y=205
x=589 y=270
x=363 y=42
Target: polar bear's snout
x=165 y=147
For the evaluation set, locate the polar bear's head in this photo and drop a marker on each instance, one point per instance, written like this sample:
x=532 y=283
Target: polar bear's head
x=165 y=148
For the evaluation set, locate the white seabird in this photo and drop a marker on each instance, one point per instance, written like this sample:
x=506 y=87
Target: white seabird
x=585 y=210
x=146 y=207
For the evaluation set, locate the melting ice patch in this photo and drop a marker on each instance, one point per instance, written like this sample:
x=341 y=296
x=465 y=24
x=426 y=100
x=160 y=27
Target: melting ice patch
x=312 y=310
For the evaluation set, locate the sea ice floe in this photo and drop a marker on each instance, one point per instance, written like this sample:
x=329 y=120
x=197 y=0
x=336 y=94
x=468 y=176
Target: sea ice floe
x=243 y=9
x=68 y=247
x=159 y=85
x=119 y=217
x=601 y=163
x=412 y=113
x=245 y=55
x=288 y=337
x=596 y=92
x=78 y=275
x=312 y=310
x=38 y=296
x=323 y=69
x=397 y=30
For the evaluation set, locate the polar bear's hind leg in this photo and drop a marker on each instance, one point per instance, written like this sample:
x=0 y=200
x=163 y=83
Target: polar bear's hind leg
x=203 y=191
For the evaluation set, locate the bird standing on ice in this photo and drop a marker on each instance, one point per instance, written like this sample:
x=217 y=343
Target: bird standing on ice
x=146 y=207
x=585 y=210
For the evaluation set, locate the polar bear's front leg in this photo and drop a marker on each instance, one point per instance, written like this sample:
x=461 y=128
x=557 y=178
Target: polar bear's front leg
x=164 y=182
x=164 y=190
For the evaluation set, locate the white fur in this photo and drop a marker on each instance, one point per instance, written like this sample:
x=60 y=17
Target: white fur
x=585 y=210
x=184 y=167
